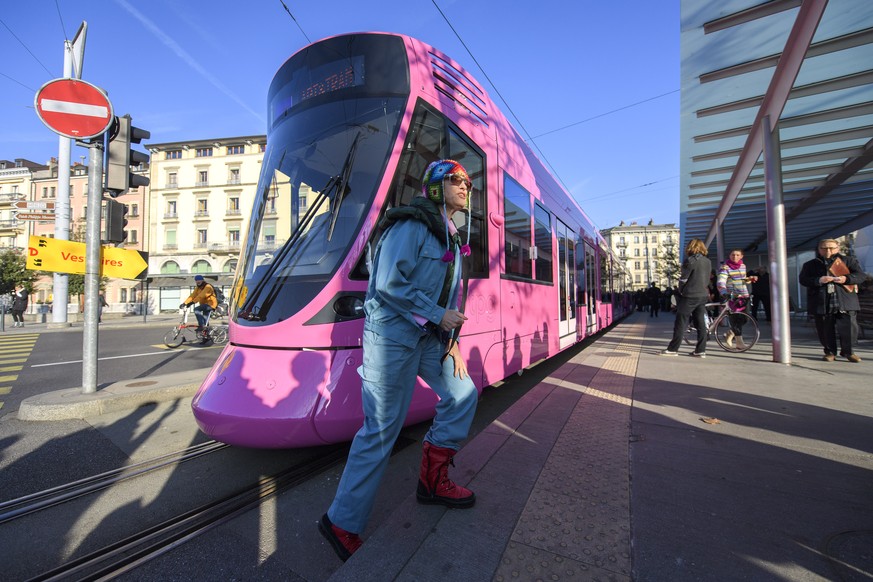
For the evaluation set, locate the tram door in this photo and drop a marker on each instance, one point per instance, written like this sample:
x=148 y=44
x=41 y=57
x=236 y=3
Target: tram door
x=567 y=284
x=591 y=287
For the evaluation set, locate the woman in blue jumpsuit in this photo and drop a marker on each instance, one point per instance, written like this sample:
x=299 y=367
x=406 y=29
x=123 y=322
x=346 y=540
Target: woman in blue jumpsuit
x=410 y=316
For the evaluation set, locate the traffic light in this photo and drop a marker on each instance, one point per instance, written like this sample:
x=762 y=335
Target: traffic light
x=119 y=157
x=114 y=227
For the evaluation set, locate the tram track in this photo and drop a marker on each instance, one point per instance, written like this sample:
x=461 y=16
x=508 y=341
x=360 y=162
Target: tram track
x=129 y=553
x=29 y=504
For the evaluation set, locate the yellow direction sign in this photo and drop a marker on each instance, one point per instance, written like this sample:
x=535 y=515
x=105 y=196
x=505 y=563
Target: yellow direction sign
x=64 y=256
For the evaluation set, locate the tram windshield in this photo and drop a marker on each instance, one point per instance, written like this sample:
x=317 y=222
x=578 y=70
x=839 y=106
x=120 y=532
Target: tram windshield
x=327 y=149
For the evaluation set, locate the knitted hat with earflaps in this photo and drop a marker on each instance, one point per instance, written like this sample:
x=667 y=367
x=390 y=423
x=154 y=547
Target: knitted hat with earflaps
x=432 y=186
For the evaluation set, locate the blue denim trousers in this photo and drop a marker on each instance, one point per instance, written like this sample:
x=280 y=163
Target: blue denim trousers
x=201 y=312
x=388 y=381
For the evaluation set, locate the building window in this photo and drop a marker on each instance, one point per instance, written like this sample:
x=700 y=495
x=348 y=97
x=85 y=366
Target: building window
x=201 y=266
x=171 y=209
x=174 y=155
x=638 y=279
x=134 y=210
x=233 y=178
x=233 y=238
x=233 y=205
x=202 y=178
x=201 y=236
x=202 y=207
x=170 y=267
x=123 y=296
x=235 y=149
x=636 y=239
x=636 y=264
x=203 y=152
x=45 y=192
x=636 y=252
x=170 y=240
x=131 y=237
x=172 y=180
x=262 y=147
x=654 y=238
x=52 y=190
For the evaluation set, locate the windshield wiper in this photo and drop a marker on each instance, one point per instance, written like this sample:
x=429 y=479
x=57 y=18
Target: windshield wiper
x=343 y=185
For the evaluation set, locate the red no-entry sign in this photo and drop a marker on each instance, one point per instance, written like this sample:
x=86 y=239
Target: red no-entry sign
x=73 y=108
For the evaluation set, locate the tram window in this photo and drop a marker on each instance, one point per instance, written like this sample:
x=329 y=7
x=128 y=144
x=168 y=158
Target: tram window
x=516 y=213
x=431 y=138
x=543 y=238
x=476 y=265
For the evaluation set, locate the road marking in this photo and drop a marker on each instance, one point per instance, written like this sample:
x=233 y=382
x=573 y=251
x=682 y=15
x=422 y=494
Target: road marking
x=5 y=390
x=12 y=378
x=10 y=368
x=16 y=350
x=12 y=360
x=161 y=353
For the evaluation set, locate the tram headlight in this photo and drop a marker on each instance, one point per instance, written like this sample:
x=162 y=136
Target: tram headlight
x=349 y=306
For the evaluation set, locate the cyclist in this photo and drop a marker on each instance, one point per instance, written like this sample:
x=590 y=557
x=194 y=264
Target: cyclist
x=204 y=296
x=732 y=286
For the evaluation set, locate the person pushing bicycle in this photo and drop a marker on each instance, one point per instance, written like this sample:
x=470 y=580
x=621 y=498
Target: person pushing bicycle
x=204 y=296
x=732 y=286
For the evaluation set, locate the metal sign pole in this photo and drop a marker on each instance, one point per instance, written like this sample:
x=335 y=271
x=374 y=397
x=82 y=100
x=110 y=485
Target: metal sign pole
x=92 y=265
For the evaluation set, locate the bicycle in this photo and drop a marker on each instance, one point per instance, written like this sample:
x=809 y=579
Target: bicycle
x=720 y=327
x=183 y=332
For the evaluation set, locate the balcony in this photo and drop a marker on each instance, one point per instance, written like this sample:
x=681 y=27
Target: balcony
x=170 y=247
x=233 y=181
x=201 y=215
x=172 y=185
x=201 y=184
x=229 y=248
x=11 y=197
x=171 y=216
x=10 y=224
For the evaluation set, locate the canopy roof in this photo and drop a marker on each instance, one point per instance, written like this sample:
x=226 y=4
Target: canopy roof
x=807 y=64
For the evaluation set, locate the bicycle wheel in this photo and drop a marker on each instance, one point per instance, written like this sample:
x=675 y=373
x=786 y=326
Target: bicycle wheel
x=731 y=341
x=219 y=335
x=174 y=338
x=690 y=335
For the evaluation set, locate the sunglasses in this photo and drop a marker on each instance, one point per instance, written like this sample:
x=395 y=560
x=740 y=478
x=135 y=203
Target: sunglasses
x=458 y=180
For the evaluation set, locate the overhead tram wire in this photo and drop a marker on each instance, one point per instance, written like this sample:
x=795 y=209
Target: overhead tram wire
x=295 y=22
x=605 y=114
x=61 y=18
x=505 y=102
x=25 y=46
x=19 y=82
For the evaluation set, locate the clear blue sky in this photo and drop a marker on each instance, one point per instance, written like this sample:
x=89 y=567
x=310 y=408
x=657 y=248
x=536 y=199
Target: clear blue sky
x=594 y=83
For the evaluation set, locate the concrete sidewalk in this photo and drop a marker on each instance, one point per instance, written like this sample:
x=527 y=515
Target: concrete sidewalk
x=624 y=465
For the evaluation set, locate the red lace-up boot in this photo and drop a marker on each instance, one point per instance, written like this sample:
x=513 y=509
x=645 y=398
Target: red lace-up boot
x=434 y=485
x=344 y=543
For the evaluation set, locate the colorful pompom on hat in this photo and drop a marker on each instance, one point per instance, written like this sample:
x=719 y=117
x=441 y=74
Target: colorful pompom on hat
x=436 y=172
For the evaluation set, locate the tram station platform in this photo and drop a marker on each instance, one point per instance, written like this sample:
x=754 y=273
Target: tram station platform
x=619 y=464
x=626 y=465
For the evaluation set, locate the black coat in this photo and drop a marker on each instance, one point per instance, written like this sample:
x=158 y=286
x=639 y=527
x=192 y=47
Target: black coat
x=19 y=300
x=694 y=279
x=819 y=301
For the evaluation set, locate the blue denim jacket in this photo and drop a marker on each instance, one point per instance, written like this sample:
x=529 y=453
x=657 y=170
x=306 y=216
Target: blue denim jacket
x=408 y=275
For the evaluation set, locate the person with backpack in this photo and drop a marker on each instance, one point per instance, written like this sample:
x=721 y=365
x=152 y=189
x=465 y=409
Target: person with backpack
x=204 y=296
x=412 y=320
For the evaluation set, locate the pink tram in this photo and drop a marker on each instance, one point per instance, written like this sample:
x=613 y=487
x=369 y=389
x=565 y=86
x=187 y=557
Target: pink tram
x=354 y=120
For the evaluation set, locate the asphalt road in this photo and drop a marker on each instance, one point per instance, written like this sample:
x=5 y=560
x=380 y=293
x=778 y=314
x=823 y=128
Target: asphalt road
x=44 y=361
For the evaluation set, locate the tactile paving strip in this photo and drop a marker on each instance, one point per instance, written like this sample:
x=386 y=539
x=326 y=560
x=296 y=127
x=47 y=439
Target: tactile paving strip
x=576 y=523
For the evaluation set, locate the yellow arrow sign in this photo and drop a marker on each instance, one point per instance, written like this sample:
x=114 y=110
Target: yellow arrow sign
x=63 y=256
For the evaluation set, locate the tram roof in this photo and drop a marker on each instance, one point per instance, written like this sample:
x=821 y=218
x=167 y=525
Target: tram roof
x=808 y=64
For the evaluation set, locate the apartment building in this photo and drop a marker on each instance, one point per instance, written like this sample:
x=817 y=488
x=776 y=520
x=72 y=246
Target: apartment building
x=122 y=295
x=199 y=202
x=649 y=251
x=16 y=184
